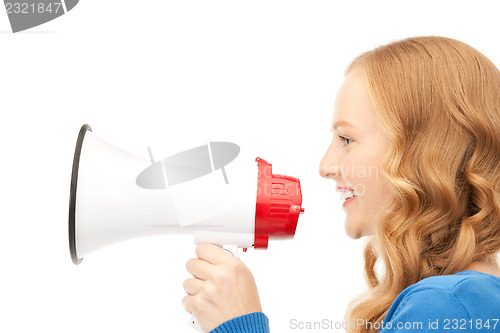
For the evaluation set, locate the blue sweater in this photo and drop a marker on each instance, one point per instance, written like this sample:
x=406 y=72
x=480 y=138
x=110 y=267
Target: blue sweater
x=467 y=301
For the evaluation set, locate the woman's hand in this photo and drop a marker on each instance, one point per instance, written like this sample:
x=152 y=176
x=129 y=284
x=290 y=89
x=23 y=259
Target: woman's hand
x=222 y=288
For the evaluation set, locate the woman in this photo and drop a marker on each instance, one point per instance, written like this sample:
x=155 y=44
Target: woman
x=416 y=140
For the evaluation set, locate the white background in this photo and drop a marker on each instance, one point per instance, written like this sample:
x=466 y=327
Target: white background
x=172 y=75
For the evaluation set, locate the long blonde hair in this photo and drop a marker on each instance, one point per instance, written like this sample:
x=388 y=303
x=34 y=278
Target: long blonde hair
x=439 y=101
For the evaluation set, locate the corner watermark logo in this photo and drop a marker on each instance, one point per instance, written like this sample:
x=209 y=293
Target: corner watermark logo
x=26 y=14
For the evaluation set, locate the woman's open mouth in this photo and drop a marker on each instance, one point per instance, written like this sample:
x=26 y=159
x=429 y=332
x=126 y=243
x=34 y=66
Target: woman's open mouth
x=347 y=197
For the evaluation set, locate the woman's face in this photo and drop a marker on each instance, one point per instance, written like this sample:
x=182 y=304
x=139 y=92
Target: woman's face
x=355 y=153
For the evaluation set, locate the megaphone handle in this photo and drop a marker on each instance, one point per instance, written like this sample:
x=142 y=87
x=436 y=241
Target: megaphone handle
x=194 y=324
x=232 y=249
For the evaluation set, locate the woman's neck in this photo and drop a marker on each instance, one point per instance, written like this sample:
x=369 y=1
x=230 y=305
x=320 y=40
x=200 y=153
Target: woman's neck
x=483 y=267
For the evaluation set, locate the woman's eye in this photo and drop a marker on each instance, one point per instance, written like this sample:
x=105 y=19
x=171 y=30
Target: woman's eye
x=344 y=139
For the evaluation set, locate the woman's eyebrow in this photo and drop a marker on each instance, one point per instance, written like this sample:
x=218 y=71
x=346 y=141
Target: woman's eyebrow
x=341 y=123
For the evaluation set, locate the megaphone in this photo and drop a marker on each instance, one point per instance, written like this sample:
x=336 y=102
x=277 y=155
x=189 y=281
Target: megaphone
x=204 y=191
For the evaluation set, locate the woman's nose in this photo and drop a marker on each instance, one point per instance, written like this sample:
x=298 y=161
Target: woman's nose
x=328 y=168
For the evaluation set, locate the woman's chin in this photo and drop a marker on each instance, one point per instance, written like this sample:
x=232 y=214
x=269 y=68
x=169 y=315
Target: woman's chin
x=353 y=230
x=353 y=234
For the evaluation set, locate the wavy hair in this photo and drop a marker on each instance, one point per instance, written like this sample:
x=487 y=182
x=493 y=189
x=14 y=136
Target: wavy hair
x=439 y=101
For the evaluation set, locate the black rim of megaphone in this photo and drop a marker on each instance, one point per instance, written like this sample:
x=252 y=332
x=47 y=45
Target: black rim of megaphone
x=72 y=194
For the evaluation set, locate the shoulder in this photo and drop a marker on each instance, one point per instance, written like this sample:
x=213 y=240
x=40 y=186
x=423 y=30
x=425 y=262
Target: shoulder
x=470 y=288
x=465 y=287
x=464 y=296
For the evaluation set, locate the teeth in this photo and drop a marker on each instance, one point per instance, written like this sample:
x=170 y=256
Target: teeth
x=347 y=194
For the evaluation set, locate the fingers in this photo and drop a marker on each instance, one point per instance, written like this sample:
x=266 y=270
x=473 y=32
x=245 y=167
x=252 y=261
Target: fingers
x=213 y=254
x=192 y=286
x=198 y=268
x=203 y=269
x=187 y=303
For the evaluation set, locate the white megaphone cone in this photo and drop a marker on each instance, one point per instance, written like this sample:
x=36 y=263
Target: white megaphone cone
x=204 y=191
